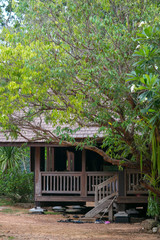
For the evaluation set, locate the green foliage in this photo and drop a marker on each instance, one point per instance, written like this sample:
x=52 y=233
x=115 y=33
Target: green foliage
x=146 y=80
x=13 y=157
x=153 y=206
x=68 y=62
x=17 y=185
x=9 y=158
x=5 y=201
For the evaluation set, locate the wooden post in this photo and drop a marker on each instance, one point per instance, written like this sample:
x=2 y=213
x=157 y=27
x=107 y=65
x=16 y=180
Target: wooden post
x=48 y=162
x=70 y=158
x=52 y=159
x=83 y=178
x=121 y=183
x=125 y=183
x=110 y=213
x=96 y=195
x=121 y=188
x=37 y=173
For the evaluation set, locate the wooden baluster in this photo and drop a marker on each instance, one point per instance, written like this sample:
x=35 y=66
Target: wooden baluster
x=77 y=181
x=89 y=184
x=71 y=184
x=92 y=181
x=67 y=183
x=133 y=181
x=48 y=183
x=100 y=194
x=51 y=183
x=129 y=178
x=96 y=195
x=74 y=184
x=44 y=183
x=64 y=182
x=60 y=183
x=57 y=181
x=137 y=179
x=113 y=186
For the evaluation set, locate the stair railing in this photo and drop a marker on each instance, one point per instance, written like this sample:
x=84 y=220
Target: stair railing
x=106 y=189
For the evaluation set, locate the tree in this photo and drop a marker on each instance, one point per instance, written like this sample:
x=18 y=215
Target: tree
x=68 y=62
x=6 y=13
x=146 y=80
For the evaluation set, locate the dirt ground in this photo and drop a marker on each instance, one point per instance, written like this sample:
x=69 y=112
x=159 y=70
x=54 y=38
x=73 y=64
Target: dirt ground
x=17 y=223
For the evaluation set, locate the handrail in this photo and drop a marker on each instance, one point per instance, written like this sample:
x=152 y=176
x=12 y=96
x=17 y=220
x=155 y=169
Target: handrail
x=106 y=189
x=101 y=185
x=95 y=178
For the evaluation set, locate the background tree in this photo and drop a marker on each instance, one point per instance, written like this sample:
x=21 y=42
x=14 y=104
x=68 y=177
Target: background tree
x=146 y=82
x=67 y=63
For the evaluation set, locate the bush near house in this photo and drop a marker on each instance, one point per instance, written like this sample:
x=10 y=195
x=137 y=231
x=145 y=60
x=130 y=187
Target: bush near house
x=17 y=185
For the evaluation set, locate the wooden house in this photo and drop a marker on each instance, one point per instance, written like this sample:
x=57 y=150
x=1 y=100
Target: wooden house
x=66 y=174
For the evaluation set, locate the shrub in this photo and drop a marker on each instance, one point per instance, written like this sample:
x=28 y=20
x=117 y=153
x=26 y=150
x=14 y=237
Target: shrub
x=153 y=205
x=17 y=185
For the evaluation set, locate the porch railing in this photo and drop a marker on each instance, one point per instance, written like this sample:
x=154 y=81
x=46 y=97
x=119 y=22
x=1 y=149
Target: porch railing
x=61 y=182
x=94 y=179
x=71 y=182
x=133 y=182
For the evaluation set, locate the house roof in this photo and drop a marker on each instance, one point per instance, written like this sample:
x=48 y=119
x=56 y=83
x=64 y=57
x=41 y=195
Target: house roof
x=44 y=131
x=39 y=131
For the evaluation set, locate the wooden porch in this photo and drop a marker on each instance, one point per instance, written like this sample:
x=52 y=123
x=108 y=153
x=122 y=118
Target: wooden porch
x=72 y=186
x=82 y=186
x=90 y=186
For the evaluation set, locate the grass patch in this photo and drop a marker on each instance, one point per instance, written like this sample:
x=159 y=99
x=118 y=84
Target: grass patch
x=52 y=213
x=10 y=237
x=6 y=202
x=9 y=210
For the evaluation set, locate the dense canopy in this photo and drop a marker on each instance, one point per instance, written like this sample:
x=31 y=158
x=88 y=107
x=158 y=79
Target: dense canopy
x=86 y=63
